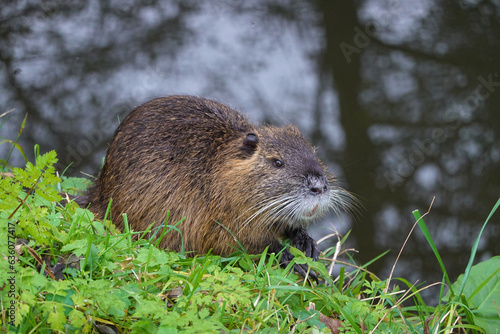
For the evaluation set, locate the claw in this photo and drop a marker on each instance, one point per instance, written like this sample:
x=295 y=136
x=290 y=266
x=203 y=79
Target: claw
x=302 y=241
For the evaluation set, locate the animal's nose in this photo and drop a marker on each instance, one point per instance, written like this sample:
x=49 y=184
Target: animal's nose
x=317 y=184
x=318 y=190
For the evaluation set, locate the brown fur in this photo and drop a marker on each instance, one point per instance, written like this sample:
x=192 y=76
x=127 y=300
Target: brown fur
x=188 y=156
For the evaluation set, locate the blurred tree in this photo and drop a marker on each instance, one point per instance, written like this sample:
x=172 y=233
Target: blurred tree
x=59 y=61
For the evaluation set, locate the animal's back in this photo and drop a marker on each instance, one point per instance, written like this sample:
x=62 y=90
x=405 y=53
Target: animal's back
x=163 y=158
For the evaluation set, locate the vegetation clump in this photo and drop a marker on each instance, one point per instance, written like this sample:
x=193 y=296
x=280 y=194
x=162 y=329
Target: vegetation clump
x=62 y=271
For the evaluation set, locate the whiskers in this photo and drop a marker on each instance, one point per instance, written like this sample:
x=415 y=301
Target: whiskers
x=342 y=200
x=274 y=213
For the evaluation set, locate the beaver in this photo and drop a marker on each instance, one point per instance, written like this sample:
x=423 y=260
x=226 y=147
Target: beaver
x=191 y=158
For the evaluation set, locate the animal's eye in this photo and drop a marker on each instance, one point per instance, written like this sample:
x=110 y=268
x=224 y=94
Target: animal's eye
x=278 y=163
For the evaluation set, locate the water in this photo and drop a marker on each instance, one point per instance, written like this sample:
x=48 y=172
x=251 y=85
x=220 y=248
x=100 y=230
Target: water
x=402 y=102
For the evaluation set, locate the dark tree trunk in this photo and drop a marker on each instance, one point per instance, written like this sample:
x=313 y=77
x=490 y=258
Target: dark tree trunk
x=345 y=39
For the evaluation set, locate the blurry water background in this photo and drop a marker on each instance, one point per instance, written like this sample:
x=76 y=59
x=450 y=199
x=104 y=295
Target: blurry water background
x=401 y=98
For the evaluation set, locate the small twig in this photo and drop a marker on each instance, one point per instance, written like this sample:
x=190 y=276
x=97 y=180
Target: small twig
x=328 y=236
x=7 y=112
x=404 y=244
x=27 y=195
x=400 y=300
x=40 y=261
x=334 y=259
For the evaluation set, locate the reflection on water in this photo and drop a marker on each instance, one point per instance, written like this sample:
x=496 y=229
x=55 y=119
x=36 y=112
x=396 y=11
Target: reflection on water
x=401 y=102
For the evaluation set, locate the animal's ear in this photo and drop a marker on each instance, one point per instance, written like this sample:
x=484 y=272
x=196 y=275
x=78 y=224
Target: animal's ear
x=250 y=143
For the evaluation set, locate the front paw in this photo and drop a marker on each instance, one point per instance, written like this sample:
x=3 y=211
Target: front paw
x=302 y=269
x=302 y=241
x=287 y=257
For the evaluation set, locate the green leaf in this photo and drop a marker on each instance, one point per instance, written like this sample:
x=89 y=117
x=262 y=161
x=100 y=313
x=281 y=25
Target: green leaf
x=74 y=185
x=77 y=319
x=79 y=245
x=152 y=256
x=482 y=291
x=56 y=318
x=149 y=309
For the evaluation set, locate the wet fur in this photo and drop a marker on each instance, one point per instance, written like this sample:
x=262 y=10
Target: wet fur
x=202 y=160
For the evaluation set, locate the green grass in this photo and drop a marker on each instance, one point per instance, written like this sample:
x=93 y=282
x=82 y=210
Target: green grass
x=123 y=281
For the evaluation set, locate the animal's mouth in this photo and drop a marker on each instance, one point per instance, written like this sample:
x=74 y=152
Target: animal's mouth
x=311 y=213
x=312 y=209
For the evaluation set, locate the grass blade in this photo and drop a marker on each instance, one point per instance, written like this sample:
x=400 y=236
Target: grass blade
x=425 y=231
x=474 y=247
